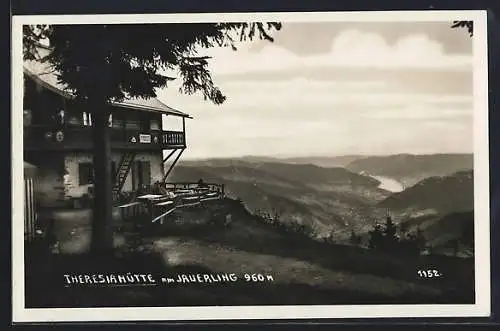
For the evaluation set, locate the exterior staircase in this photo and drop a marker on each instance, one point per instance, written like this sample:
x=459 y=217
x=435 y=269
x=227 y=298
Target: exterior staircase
x=122 y=173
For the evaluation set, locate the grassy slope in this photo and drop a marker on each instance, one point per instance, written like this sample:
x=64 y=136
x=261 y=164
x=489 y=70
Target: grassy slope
x=441 y=231
x=304 y=271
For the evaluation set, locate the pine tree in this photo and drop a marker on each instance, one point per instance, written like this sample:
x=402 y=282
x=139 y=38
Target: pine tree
x=376 y=237
x=390 y=230
x=390 y=238
x=420 y=239
x=129 y=60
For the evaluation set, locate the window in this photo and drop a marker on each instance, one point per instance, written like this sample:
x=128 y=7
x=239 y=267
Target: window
x=74 y=121
x=87 y=119
x=117 y=123
x=60 y=117
x=132 y=125
x=85 y=173
x=155 y=125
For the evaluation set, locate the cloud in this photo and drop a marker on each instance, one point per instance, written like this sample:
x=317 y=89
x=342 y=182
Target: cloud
x=359 y=111
x=419 y=112
x=326 y=136
x=269 y=119
x=324 y=117
x=331 y=96
x=350 y=49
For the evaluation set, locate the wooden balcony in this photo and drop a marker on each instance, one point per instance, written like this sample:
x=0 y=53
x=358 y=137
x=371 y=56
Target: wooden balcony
x=80 y=138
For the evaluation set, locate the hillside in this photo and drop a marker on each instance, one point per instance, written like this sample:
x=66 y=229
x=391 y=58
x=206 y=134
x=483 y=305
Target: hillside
x=303 y=270
x=329 y=198
x=442 y=232
x=320 y=161
x=410 y=169
x=325 y=161
x=443 y=195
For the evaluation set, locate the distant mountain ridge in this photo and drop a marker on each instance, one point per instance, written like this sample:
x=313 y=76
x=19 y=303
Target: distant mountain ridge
x=321 y=161
x=405 y=168
x=410 y=169
x=447 y=194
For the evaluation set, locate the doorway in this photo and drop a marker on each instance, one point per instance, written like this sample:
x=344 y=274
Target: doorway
x=141 y=174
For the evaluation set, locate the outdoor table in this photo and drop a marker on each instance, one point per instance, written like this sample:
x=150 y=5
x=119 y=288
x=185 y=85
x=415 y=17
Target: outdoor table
x=149 y=196
x=183 y=191
x=184 y=194
x=165 y=203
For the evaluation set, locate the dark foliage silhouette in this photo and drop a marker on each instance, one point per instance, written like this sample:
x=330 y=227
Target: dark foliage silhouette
x=386 y=238
x=469 y=25
x=130 y=60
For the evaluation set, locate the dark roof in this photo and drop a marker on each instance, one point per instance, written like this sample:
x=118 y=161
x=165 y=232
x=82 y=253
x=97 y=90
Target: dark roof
x=42 y=74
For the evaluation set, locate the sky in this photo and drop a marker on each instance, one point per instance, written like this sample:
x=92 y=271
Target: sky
x=336 y=88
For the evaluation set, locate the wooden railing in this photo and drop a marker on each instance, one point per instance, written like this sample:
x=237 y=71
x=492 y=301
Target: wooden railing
x=48 y=137
x=214 y=187
x=174 y=138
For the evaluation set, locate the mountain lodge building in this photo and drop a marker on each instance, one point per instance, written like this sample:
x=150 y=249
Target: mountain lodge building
x=58 y=141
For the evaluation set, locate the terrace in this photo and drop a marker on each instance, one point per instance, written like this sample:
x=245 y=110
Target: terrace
x=159 y=201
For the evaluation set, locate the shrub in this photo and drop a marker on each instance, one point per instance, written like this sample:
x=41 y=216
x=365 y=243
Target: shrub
x=293 y=227
x=385 y=238
x=330 y=239
x=355 y=239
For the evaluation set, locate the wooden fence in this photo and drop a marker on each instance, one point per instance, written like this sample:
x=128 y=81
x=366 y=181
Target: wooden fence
x=30 y=205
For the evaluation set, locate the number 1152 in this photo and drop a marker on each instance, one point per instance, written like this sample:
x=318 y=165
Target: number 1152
x=430 y=273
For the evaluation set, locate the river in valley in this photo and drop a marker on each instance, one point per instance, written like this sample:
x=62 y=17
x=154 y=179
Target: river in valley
x=389 y=184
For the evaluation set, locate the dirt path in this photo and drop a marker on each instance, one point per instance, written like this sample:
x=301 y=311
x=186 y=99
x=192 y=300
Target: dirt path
x=179 y=251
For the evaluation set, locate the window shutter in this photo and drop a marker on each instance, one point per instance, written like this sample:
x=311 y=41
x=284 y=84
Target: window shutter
x=81 y=174
x=146 y=173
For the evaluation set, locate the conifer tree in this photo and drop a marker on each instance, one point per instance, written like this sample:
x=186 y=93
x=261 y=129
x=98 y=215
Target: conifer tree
x=99 y=63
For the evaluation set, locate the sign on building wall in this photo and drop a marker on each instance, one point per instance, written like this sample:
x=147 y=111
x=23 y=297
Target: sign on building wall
x=145 y=138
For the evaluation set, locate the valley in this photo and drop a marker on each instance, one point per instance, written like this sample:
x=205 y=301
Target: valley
x=354 y=195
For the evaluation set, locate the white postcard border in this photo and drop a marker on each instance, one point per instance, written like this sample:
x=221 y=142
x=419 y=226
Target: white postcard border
x=481 y=182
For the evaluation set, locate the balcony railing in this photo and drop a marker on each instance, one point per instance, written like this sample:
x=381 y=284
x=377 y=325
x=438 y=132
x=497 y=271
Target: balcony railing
x=49 y=138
